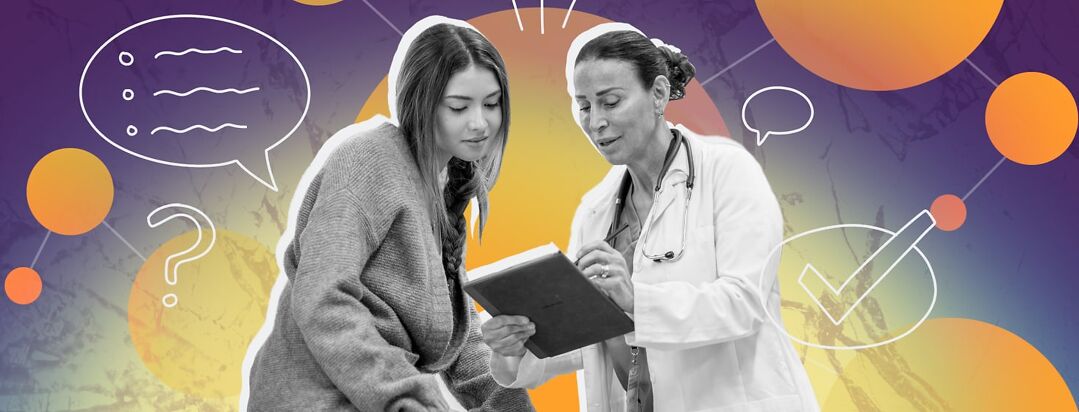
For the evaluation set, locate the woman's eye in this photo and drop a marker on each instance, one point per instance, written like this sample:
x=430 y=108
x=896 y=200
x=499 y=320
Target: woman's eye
x=585 y=108
x=492 y=105
x=458 y=109
x=611 y=104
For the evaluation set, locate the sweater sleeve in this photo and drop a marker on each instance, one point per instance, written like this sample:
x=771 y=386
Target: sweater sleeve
x=470 y=380
x=332 y=249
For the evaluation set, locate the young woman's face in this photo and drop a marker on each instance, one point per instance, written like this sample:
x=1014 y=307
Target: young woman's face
x=616 y=111
x=470 y=114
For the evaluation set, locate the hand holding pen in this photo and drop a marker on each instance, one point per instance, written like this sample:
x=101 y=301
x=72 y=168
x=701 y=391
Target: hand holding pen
x=607 y=268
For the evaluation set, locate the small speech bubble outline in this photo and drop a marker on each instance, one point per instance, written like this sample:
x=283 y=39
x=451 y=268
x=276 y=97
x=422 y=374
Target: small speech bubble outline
x=255 y=164
x=172 y=265
x=762 y=137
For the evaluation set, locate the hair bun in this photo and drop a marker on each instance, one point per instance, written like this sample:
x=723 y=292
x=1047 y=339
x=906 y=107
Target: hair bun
x=680 y=69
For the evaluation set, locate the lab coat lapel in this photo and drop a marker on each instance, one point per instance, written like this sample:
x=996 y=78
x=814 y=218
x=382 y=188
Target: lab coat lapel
x=669 y=192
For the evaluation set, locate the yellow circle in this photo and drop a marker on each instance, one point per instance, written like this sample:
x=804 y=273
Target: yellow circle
x=69 y=191
x=198 y=346
x=1031 y=118
x=950 y=364
x=545 y=136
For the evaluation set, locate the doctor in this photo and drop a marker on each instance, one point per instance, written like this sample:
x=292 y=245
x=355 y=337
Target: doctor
x=693 y=221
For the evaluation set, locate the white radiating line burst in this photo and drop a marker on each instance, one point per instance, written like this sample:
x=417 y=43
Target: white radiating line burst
x=199 y=51
x=566 y=20
x=205 y=89
x=541 y=17
x=197 y=126
x=518 y=13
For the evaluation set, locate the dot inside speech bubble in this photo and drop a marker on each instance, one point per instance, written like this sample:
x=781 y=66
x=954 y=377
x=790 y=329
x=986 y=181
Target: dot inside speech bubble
x=196 y=91
x=763 y=132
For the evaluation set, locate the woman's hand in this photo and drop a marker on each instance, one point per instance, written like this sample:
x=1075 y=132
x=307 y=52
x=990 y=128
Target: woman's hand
x=607 y=268
x=506 y=334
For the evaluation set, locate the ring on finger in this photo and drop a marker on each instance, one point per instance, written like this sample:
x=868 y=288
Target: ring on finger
x=606 y=271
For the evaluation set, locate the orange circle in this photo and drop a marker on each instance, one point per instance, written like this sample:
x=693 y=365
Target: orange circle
x=879 y=45
x=69 y=191
x=545 y=136
x=949 y=211
x=317 y=2
x=22 y=285
x=1031 y=118
x=950 y=364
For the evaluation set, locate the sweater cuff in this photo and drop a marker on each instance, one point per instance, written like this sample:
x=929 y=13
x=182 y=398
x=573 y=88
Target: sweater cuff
x=517 y=371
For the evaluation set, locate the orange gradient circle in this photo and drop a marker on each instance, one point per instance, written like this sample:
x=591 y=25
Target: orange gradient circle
x=544 y=136
x=950 y=364
x=22 y=285
x=879 y=45
x=1031 y=118
x=949 y=211
x=69 y=191
x=317 y=2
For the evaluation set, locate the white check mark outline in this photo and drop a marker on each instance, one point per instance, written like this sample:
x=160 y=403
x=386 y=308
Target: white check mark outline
x=836 y=291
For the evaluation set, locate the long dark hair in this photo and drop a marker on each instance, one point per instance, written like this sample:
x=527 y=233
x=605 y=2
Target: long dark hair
x=649 y=59
x=434 y=56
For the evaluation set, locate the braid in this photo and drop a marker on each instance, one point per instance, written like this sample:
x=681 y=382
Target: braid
x=460 y=188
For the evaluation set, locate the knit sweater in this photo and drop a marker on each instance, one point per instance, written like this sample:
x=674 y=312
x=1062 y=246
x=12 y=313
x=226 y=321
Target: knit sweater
x=367 y=316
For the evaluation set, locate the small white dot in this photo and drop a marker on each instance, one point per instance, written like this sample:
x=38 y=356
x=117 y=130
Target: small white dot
x=126 y=58
x=132 y=130
x=170 y=300
x=128 y=94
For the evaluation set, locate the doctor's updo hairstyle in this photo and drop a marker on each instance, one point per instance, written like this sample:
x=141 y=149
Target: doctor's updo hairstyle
x=650 y=59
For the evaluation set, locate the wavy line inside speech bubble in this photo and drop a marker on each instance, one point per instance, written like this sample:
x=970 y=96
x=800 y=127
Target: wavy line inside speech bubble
x=257 y=163
x=761 y=138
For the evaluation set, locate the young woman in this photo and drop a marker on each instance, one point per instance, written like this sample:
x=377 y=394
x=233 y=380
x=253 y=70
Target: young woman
x=691 y=264
x=373 y=308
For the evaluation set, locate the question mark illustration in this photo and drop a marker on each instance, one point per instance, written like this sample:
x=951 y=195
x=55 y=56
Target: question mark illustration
x=154 y=219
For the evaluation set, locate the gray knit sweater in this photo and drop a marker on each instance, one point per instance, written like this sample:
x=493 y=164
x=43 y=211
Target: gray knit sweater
x=367 y=317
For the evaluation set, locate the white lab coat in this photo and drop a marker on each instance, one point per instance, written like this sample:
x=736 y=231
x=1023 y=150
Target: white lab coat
x=702 y=319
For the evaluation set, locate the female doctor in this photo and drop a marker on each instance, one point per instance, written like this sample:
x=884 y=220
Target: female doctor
x=691 y=223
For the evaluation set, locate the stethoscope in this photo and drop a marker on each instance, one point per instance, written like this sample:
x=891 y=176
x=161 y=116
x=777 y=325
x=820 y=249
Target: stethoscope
x=623 y=191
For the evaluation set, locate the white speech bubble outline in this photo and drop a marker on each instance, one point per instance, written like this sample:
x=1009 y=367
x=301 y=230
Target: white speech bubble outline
x=760 y=138
x=272 y=183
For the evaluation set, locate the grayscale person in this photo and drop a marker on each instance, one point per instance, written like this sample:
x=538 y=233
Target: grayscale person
x=691 y=266
x=373 y=312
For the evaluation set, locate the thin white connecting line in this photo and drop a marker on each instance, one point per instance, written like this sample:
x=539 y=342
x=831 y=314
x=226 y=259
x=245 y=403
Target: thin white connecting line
x=383 y=18
x=124 y=240
x=736 y=62
x=969 y=192
x=40 y=248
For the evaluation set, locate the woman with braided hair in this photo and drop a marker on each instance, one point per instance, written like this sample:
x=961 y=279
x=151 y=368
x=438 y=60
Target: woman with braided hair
x=372 y=312
x=691 y=222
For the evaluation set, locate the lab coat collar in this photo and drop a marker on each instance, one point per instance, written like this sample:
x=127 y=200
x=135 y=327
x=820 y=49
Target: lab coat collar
x=601 y=200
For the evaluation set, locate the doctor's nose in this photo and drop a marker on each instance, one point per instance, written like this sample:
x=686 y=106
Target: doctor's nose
x=596 y=123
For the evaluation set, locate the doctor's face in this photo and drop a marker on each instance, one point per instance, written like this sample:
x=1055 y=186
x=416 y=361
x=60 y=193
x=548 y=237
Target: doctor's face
x=616 y=111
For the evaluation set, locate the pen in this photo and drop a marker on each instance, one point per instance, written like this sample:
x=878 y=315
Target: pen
x=608 y=240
